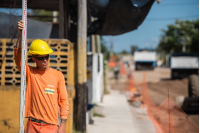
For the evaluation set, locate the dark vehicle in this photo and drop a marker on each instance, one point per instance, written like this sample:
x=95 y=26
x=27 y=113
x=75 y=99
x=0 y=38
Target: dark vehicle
x=184 y=65
x=187 y=65
x=145 y=60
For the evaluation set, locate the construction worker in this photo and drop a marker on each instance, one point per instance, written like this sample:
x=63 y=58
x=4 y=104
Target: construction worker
x=46 y=90
x=116 y=70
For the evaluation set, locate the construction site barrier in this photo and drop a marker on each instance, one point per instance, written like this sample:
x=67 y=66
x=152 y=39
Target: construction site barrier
x=168 y=117
x=130 y=87
x=122 y=70
x=60 y=59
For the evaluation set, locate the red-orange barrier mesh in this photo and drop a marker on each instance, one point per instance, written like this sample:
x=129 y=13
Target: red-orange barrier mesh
x=111 y=64
x=168 y=117
x=130 y=86
x=122 y=70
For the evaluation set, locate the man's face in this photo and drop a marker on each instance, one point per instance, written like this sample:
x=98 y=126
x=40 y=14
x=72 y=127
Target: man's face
x=41 y=61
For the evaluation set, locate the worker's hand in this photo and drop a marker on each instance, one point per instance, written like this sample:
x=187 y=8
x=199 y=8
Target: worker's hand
x=61 y=129
x=20 y=26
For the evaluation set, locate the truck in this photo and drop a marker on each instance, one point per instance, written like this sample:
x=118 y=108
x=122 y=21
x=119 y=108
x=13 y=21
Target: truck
x=184 y=65
x=145 y=60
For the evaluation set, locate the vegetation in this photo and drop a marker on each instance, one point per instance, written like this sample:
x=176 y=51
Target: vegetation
x=177 y=34
x=106 y=54
x=95 y=114
x=133 y=49
x=104 y=49
x=43 y=15
x=124 y=52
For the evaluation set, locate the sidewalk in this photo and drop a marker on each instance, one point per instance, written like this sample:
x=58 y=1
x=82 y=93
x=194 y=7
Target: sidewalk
x=118 y=117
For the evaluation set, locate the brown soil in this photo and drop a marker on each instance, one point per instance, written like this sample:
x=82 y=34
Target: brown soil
x=158 y=82
x=159 y=91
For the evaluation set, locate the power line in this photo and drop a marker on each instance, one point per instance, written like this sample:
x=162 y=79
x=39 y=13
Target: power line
x=179 y=4
x=164 y=19
x=184 y=2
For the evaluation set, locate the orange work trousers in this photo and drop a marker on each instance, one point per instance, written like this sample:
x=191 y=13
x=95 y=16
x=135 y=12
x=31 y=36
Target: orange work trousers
x=33 y=127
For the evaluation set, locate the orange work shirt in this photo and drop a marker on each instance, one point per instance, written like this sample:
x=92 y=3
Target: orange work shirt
x=45 y=92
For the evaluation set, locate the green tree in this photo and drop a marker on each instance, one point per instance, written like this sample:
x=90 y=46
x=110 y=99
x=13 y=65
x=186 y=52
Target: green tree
x=133 y=49
x=124 y=52
x=194 y=48
x=176 y=34
x=104 y=49
x=43 y=15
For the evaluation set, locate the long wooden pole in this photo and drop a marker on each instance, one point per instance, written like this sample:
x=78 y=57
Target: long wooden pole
x=23 y=67
x=98 y=43
x=61 y=19
x=93 y=42
x=80 y=99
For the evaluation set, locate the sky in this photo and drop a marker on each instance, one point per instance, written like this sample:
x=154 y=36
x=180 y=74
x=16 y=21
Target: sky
x=149 y=32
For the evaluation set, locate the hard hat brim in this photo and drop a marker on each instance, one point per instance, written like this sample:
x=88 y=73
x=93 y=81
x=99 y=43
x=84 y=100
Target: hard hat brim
x=40 y=53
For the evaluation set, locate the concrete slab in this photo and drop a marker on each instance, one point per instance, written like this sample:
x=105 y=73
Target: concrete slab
x=118 y=117
x=142 y=118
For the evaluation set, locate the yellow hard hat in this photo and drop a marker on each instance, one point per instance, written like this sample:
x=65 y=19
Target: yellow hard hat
x=39 y=47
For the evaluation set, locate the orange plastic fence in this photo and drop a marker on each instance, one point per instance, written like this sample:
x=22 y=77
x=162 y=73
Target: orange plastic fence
x=122 y=70
x=130 y=86
x=168 y=117
x=111 y=64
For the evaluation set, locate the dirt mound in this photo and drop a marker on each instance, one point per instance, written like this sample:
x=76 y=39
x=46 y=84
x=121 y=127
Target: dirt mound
x=159 y=91
x=176 y=87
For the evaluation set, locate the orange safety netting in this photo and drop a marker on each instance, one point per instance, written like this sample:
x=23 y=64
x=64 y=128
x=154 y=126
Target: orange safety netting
x=130 y=86
x=168 y=117
x=111 y=64
x=122 y=70
x=131 y=89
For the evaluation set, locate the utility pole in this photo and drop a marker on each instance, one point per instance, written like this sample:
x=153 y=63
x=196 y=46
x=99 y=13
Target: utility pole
x=184 y=46
x=61 y=19
x=111 y=47
x=80 y=105
x=93 y=40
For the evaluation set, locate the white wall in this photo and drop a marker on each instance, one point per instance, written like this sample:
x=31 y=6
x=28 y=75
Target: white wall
x=89 y=86
x=95 y=83
x=97 y=78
